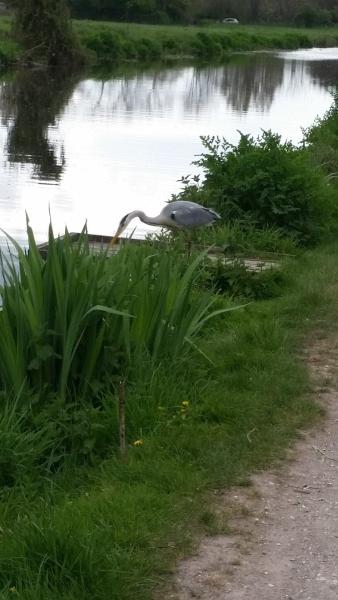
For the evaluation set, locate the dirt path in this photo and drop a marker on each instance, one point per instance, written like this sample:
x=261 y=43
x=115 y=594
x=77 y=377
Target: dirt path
x=285 y=540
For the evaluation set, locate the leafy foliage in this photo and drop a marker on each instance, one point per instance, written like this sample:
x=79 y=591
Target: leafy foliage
x=235 y=279
x=267 y=182
x=151 y=11
x=322 y=141
x=249 y=11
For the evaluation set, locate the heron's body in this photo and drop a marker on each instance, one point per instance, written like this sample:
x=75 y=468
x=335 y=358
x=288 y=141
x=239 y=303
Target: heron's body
x=180 y=214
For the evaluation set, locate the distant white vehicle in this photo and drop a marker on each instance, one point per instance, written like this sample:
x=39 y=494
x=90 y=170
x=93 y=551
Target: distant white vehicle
x=231 y=21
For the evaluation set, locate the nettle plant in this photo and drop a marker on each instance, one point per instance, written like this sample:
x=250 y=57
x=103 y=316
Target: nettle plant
x=267 y=182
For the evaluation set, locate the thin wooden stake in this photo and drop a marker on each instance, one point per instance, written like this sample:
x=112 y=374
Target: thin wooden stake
x=122 y=419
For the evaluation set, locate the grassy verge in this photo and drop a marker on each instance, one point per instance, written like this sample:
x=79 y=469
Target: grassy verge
x=112 y=531
x=116 y=41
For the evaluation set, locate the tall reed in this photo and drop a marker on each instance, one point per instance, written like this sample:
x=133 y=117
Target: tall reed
x=74 y=318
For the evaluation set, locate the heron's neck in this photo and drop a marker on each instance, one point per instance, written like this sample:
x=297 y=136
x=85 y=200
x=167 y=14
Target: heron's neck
x=145 y=219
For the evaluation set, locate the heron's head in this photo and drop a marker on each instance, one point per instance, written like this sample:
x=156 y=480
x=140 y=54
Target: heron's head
x=122 y=226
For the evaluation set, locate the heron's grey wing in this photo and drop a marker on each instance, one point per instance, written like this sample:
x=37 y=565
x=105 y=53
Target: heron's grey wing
x=193 y=216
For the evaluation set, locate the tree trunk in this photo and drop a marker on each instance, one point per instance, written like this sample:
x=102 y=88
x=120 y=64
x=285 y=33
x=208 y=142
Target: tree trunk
x=45 y=28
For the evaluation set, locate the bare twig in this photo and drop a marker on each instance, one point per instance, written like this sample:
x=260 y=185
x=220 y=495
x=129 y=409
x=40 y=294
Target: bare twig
x=30 y=50
x=324 y=454
x=301 y=490
x=248 y=435
x=122 y=419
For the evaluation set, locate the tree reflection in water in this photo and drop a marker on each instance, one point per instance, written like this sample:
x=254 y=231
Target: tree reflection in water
x=31 y=102
x=244 y=82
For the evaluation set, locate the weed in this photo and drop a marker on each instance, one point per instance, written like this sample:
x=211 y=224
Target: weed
x=235 y=279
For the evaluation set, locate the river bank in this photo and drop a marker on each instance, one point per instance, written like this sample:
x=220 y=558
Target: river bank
x=105 y=42
x=208 y=400
x=113 y=41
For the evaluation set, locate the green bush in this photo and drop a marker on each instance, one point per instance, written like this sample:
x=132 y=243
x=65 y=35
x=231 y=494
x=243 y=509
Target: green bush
x=207 y=44
x=267 y=182
x=322 y=141
x=234 y=279
x=107 y=45
x=147 y=48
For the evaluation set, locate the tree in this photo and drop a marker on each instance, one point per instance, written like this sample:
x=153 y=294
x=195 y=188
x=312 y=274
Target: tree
x=255 y=10
x=155 y=11
x=310 y=16
x=44 y=26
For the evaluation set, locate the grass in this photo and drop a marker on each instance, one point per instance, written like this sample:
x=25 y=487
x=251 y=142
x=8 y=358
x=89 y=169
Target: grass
x=113 y=531
x=106 y=42
x=240 y=238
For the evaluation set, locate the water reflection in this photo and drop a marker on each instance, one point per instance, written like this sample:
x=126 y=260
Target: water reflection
x=250 y=82
x=118 y=141
x=246 y=82
x=31 y=102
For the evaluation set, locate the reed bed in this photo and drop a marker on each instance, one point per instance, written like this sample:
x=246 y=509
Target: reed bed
x=74 y=318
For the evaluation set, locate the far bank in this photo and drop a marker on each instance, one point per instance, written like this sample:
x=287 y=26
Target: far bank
x=108 y=42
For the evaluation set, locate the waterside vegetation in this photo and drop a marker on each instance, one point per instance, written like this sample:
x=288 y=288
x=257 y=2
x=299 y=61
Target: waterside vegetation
x=207 y=356
x=122 y=41
x=107 y=42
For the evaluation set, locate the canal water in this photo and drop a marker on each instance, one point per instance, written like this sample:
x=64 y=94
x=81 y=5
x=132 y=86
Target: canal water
x=92 y=147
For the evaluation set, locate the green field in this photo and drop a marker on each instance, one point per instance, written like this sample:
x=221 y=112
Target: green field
x=113 y=42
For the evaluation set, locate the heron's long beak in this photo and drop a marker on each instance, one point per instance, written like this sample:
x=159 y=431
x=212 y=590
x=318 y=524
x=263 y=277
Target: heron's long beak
x=114 y=239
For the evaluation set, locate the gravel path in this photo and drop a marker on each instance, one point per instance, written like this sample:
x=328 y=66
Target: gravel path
x=285 y=540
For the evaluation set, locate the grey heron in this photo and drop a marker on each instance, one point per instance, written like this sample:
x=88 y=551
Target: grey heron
x=179 y=214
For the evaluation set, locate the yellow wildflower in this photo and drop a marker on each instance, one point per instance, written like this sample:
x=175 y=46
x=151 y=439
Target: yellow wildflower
x=185 y=403
x=138 y=443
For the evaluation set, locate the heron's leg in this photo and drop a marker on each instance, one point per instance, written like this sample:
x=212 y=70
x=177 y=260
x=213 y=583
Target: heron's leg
x=189 y=242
